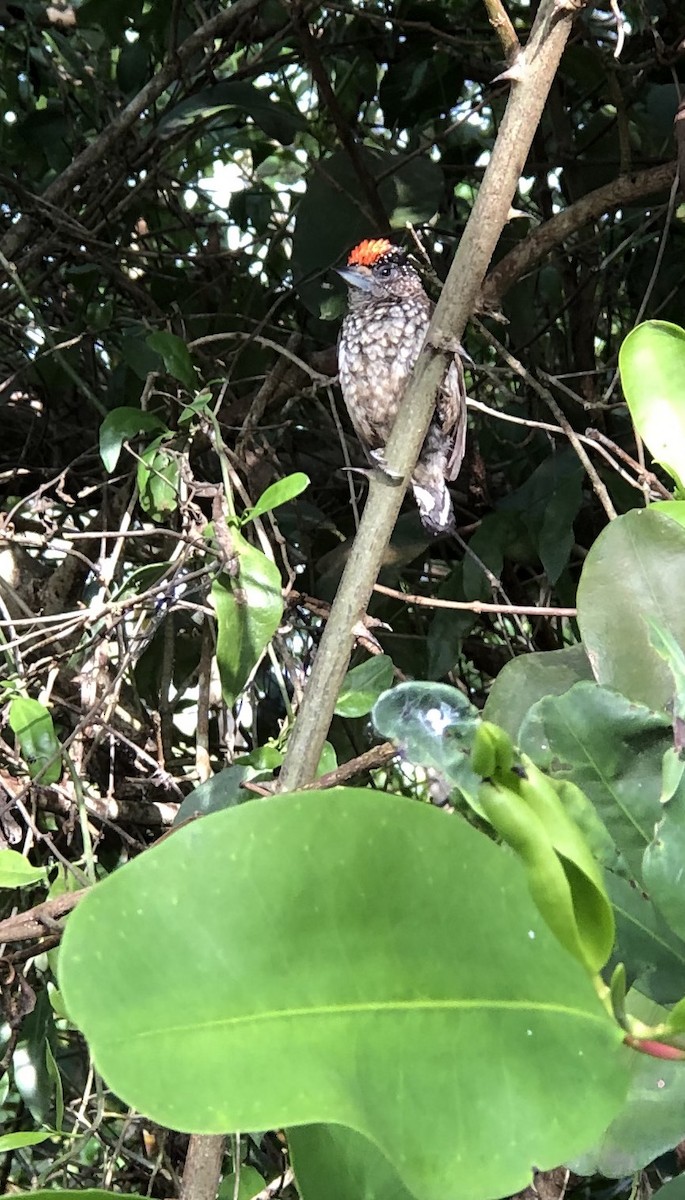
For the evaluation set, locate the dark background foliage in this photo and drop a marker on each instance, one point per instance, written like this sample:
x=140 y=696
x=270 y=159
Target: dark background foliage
x=200 y=170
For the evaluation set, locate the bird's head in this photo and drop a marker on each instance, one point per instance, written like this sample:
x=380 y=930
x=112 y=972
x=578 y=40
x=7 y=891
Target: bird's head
x=378 y=270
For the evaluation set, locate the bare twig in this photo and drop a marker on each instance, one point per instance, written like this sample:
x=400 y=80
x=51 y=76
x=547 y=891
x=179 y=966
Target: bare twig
x=476 y=606
x=501 y=23
x=546 y=395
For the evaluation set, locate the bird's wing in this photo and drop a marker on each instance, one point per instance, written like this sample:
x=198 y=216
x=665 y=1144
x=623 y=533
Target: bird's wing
x=451 y=413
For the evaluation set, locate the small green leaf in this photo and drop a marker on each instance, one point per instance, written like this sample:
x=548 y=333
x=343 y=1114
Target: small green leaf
x=158 y=477
x=17 y=1141
x=16 y=872
x=175 y=356
x=32 y=724
x=250 y=1183
x=362 y=686
x=652 y=365
x=120 y=425
x=278 y=493
x=249 y=605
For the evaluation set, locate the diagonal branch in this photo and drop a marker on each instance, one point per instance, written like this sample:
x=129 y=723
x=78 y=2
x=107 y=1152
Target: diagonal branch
x=538 y=64
x=527 y=253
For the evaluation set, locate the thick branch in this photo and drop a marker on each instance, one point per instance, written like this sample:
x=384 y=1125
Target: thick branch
x=624 y=190
x=539 y=63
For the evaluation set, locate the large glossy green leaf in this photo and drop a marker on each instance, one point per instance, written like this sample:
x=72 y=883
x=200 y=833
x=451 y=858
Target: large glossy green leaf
x=652 y=365
x=428 y=1015
x=652 y=953
x=612 y=750
x=652 y=1119
x=526 y=679
x=635 y=570
x=335 y=1162
x=664 y=863
x=249 y=606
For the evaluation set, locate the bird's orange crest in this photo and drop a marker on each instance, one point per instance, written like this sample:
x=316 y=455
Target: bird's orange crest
x=368 y=252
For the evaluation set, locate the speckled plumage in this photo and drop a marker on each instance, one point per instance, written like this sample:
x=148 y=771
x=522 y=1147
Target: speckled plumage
x=381 y=336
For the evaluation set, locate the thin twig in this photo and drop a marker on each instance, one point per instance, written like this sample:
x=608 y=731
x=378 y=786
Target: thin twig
x=546 y=395
x=476 y=606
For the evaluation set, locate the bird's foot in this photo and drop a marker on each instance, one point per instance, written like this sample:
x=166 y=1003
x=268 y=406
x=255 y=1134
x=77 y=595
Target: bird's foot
x=379 y=460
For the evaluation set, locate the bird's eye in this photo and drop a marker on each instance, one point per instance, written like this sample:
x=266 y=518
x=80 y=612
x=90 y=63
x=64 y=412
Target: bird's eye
x=385 y=272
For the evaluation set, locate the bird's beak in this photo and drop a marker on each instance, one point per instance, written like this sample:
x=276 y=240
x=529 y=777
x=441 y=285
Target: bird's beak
x=356 y=277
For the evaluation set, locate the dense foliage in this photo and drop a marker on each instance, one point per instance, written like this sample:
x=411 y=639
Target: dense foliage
x=179 y=498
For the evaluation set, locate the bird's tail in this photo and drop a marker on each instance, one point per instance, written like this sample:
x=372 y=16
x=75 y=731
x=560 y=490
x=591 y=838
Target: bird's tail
x=429 y=487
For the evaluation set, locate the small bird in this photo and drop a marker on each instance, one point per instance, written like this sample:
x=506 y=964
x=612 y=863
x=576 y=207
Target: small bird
x=382 y=333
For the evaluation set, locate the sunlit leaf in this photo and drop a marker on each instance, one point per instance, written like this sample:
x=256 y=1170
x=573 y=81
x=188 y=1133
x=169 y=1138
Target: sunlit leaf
x=15 y=871
x=35 y=732
x=119 y=426
x=465 y=1015
x=249 y=605
x=652 y=365
x=635 y=570
x=362 y=686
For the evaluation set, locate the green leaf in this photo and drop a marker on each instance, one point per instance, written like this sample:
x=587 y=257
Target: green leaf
x=158 y=477
x=673 y=1190
x=564 y=879
x=249 y=605
x=652 y=365
x=175 y=356
x=278 y=493
x=362 y=686
x=465 y=1015
x=663 y=866
x=653 y=955
x=666 y=646
x=609 y=748
x=548 y=502
x=120 y=425
x=275 y=118
x=32 y=724
x=220 y=791
x=651 y=1120
x=250 y=1183
x=335 y=1162
x=17 y=1141
x=529 y=678
x=65 y=1194
x=634 y=571
x=15 y=871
